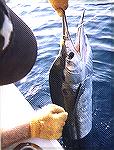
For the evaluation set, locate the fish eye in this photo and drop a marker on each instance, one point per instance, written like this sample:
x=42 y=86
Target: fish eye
x=71 y=55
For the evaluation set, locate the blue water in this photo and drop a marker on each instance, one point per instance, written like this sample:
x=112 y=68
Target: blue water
x=46 y=26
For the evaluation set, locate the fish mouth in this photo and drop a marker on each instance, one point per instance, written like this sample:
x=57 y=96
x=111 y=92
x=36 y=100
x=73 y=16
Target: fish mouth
x=76 y=53
x=74 y=48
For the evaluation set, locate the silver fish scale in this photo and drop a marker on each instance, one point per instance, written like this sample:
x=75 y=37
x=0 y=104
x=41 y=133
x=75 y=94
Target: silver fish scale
x=78 y=103
x=83 y=108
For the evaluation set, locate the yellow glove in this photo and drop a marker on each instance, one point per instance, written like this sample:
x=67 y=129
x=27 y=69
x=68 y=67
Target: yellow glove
x=59 y=6
x=49 y=122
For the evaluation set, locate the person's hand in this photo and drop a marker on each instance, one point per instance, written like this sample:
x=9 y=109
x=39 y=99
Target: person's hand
x=59 y=5
x=49 y=122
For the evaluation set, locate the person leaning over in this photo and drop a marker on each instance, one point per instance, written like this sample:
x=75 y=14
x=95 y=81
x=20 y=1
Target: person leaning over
x=18 y=51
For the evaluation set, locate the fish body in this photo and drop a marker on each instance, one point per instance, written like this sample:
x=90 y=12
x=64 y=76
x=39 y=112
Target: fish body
x=70 y=81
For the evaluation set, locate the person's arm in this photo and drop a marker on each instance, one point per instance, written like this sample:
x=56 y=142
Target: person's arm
x=14 y=135
x=47 y=123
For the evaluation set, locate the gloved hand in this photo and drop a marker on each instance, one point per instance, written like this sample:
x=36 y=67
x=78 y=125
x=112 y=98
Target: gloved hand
x=49 y=122
x=59 y=6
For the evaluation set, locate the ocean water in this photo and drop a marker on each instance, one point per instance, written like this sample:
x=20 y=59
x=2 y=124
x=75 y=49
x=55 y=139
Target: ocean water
x=99 y=25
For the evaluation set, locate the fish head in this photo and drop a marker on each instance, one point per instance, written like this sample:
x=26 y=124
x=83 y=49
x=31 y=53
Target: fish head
x=78 y=53
x=73 y=59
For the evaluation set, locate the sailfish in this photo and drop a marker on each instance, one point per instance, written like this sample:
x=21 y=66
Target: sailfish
x=70 y=80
